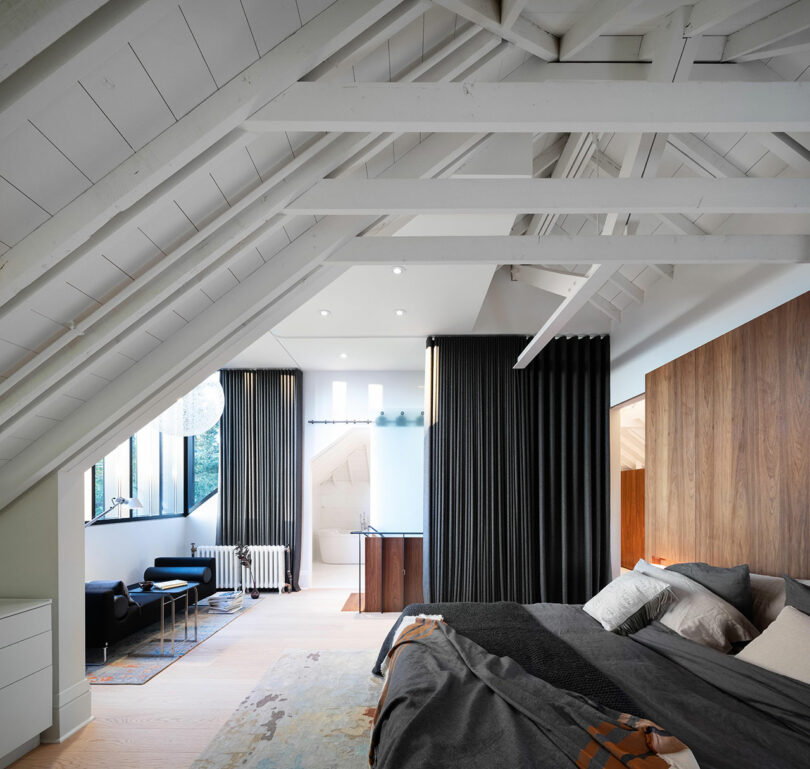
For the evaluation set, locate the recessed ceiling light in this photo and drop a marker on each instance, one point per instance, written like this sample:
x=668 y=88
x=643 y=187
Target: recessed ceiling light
x=398 y=270
x=344 y=355
x=399 y=313
x=325 y=313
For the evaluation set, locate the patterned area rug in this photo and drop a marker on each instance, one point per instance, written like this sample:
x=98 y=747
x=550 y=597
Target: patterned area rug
x=312 y=710
x=137 y=658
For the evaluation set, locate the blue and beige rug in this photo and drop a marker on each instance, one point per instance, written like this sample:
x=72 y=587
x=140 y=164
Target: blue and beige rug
x=311 y=710
x=137 y=658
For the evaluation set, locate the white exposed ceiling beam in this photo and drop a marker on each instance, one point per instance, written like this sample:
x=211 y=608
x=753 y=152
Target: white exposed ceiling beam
x=787 y=149
x=27 y=29
x=510 y=10
x=548 y=107
x=596 y=277
x=548 y=158
x=628 y=287
x=555 y=282
x=700 y=157
x=179 y=144
x=370 y=39
x=579 y=149
x=341 y=197
x=524 y=34
x=798 y=43
x=57 y=68
x=577 y=249
x=593 y=24
x=606 y=307
x=707 y=14
x=795 y=18
x=681 y=223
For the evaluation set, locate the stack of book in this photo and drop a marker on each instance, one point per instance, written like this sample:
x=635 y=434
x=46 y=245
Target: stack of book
x=225 y=602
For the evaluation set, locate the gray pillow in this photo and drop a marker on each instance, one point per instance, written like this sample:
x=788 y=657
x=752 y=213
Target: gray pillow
x=797 y=595
x=733 y=585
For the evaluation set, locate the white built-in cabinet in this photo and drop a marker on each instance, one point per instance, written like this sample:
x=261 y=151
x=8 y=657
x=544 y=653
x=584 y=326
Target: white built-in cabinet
x=26 y=688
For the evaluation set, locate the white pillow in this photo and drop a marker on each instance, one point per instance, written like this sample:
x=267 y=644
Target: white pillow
x=699 y=614
x=784 y=647
x=629 y=603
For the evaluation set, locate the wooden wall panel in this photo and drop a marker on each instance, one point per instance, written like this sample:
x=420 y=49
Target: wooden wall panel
x=742 y=403
x=632 y=517
x=670 y=464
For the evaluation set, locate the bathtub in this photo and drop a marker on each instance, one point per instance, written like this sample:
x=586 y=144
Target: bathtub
x=338 y=546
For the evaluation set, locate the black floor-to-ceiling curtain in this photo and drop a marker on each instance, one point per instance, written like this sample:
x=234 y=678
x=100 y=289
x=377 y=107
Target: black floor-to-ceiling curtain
x=262 y=460
x=517 y=483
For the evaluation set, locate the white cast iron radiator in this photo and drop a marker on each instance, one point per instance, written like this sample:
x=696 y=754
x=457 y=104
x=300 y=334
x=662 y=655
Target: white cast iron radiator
x=269 y=566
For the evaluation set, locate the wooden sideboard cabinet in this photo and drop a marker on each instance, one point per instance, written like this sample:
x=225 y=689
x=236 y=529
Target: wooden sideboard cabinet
x=393 y=572
x=26 y=687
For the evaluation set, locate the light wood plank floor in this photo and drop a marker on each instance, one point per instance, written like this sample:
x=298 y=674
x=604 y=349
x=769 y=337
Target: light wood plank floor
x=169 y=720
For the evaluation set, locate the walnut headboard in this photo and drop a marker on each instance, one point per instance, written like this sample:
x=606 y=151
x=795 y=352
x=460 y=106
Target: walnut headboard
x=728 y=448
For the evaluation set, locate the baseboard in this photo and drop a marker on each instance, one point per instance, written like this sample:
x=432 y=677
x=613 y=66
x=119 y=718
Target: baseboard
x=18 y=753
x=71 y=712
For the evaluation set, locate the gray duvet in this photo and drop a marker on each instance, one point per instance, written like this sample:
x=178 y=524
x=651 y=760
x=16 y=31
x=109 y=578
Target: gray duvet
x=731 y=715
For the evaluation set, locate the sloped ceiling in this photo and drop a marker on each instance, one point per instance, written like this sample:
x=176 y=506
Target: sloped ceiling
x=145 y=236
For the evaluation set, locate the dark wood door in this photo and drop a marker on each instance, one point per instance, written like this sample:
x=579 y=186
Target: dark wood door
x=632 y=517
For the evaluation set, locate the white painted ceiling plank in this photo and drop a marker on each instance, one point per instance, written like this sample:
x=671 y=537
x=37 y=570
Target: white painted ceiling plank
x=223 y=34
x=785 y=147
x=510 y=10
x=271 y=22
x=35 y=167
x=173 y=60
x=76 y=125
x=123 y=90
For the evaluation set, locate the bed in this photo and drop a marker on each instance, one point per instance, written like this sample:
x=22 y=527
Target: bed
x=544 y=685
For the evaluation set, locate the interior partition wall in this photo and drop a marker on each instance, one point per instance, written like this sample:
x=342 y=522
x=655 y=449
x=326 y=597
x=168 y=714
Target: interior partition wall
x=516 y=470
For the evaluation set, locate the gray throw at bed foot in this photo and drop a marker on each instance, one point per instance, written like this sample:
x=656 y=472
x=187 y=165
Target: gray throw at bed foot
x=506 y=629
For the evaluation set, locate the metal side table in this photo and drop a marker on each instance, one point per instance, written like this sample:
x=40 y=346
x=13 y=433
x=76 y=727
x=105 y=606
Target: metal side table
x=172 y=596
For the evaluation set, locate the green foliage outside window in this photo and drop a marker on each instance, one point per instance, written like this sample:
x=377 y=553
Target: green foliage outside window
x=204 y=470
x=98 y=488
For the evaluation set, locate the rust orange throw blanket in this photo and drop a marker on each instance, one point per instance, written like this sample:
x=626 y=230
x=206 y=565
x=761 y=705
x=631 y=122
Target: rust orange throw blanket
x=449 y=703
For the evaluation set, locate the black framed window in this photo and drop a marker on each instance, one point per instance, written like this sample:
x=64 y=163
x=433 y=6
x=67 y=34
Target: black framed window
x=170 y=475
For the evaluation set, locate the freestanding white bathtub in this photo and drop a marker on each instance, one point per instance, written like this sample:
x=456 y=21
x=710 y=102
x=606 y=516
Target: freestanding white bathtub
x=339 y=546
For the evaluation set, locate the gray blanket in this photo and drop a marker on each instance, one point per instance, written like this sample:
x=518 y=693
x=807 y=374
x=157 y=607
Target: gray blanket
x=448 y=703
x=730 y=714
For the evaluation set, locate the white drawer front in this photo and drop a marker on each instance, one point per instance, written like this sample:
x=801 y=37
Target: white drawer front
x=25 y=709
x=24 y=625
x=24 y=657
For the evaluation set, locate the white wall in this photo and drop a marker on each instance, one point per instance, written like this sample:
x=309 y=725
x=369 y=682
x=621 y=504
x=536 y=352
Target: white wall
x=123 y=550
x=201 y=524
x=41 y=556
x=401 y=390
x=700 y=304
